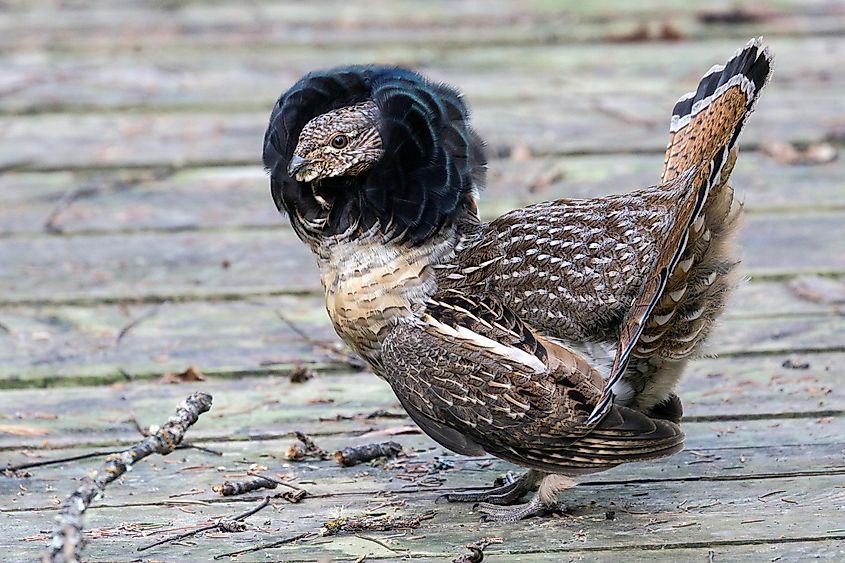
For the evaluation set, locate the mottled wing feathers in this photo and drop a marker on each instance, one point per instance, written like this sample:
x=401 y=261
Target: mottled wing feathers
x=474 y=377
x=703 y=133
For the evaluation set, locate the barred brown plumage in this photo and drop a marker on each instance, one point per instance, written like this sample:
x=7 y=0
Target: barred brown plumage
x=551 y=337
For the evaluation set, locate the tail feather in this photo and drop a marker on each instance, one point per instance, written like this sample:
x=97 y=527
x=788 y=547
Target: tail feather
x=622 y=436
x=706 y=123
x=703 y=133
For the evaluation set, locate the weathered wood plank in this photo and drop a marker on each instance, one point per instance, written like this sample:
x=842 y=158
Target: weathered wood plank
x=728 y=388
x=69 y=345
x=542 y=126
x=115 y=343
x=706 y=458
x=680 y=514
x=272 y=261
x=264 y=23
x=592 y=76
x=79 y=202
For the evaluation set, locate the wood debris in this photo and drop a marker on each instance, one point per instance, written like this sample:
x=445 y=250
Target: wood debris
x=67 y=542
x=476 y=549
x=232 y=488
x=819 y=290
x=301 y=374
x=354 y=455
x=305 y=447
x=190 y=374
x=229 y=525
x=787 y=153
x=373 y=524
x=734 y=15
x=649 y=31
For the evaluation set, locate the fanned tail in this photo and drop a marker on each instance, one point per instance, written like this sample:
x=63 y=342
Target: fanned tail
x=706 y=123
x=690 y=274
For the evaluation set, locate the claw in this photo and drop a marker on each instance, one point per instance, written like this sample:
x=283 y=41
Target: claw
x=510 y=492
x=515 y=513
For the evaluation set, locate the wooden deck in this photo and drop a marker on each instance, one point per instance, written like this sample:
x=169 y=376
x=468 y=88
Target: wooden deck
x=137 y=237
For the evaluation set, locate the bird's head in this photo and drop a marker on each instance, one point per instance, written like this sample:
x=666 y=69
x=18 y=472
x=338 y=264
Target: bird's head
x=341 y=142
x=355 y=148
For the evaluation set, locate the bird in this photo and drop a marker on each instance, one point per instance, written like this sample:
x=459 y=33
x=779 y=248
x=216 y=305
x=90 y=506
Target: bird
x=553 y=336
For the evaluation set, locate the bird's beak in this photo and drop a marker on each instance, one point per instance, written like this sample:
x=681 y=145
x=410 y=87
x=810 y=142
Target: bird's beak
x=296 y=164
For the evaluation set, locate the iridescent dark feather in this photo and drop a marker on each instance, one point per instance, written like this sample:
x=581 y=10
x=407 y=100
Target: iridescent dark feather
x=432 y=163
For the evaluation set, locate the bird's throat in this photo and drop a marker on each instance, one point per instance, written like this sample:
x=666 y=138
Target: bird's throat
x=369 y=283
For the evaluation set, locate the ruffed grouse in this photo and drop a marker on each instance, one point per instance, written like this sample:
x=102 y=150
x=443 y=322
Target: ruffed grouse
x=551 y=337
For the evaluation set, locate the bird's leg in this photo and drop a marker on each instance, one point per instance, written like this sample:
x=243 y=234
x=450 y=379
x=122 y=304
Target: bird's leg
x=545 y=501
x=510 y=492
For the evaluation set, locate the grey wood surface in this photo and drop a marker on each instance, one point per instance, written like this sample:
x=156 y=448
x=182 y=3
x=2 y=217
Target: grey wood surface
x=137 y=237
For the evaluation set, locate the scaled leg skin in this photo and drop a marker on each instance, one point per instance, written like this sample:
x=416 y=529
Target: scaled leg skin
x=509 y=493
x=544 y=502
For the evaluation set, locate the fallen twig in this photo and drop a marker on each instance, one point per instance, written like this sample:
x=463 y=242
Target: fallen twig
x=67 y=541
x=362 y=454
x=306 y=535
x=14 y=468
x=476 y=554
x=277 y=481
x=378 y=542
x=138 y=320
x=373 y=524
x=232 y=488
x=186 y=446
x=234 y=524
x=305 y=447
x=342 y=525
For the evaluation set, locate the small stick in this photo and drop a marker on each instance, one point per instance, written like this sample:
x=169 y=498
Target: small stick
x=145 y=432
x=89 y=455
x=306 y=447
x=231 y=488
x=348 y=457
x=277 y=481
x=377 y=542
x=306 y=535
x=293 y=497
x=14 y=468
x=476 y=554
x=224 y=525
x=67 y=542
x=370 y=524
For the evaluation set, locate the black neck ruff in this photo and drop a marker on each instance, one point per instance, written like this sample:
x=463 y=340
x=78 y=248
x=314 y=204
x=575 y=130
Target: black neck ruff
x=432 y=162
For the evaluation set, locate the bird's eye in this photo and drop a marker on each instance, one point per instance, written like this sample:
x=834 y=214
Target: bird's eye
x=339 y=141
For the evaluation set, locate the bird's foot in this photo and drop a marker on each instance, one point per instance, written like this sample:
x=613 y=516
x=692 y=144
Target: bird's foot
x=517 y=512
x=513 y=490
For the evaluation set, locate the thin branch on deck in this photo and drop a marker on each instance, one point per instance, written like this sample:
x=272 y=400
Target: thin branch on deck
x=11 y=469
x=373 y=524
x=279 y=543
x=232 y=488
x=342 y=525
x=277 y=481
x=66 y=545
x=223 y=524
x=186 y=446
